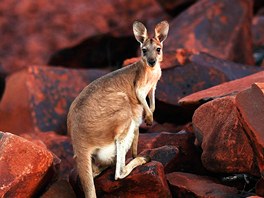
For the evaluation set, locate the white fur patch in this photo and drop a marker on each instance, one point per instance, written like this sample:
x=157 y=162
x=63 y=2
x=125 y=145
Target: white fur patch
x=107 y=153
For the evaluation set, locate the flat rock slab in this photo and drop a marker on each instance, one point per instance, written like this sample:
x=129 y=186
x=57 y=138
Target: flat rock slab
x=190 y=185
x=216 y=27
x=225 y=89
x=250 y=104
x=38 y=98
x=220 y=132
x=24 y=166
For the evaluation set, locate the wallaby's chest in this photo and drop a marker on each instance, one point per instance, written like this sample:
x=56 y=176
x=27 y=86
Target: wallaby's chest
x=150 y=80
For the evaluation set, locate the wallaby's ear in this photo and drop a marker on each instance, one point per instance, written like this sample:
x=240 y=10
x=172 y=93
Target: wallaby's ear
x=140 y=31
x=161 y=30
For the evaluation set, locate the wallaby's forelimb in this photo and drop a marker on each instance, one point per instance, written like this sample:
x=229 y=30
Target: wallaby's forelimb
x=151 y=96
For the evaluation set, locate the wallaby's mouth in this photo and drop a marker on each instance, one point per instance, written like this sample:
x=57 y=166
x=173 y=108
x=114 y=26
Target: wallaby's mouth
x=151 y=62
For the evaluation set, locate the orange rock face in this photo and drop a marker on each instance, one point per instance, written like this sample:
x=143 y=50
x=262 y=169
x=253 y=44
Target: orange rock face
x=24 y=166
x=40 y=100
x=222 y=137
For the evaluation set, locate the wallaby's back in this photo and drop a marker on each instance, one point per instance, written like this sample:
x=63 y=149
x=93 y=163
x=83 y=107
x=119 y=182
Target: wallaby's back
x=104 y=102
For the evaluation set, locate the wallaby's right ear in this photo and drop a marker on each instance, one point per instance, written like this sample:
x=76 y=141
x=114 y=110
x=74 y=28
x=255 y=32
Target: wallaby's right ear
x=140 y=31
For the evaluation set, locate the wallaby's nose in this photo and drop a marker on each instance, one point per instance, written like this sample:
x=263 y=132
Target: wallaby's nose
x=151 y=62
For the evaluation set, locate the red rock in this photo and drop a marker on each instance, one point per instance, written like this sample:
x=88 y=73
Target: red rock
x=38 y=98
x=60 y=189
x=40 y=28
x=199 y=72
x=175 y=7
x=130 y=61
x=190 y=185
x=225 y=145
x=216 y=27
x=250 y=104
x=59 y=145
x=228 y=88
x=25 y=167
x=189 y=156
x=145 y=181
x=167 y=155
x=258 y=30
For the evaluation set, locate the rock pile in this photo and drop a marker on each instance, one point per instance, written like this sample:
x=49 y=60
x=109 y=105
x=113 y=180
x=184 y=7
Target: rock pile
x=208 y=136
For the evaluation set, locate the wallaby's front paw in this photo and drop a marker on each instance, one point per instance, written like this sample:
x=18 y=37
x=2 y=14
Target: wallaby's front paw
x=149 y=119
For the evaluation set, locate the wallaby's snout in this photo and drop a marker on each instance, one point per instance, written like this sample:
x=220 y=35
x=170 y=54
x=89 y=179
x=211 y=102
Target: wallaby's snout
x=151 y=62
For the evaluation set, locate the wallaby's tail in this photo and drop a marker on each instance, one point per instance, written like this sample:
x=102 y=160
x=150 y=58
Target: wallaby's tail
x=84 y=166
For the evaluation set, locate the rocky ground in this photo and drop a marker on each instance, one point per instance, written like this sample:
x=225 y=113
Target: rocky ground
x=208 y=136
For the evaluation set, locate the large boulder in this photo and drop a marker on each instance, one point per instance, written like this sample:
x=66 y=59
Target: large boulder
x=250 y=104
x=219 y=131
x=219 y=27
x=38 y=98
x=25 y=168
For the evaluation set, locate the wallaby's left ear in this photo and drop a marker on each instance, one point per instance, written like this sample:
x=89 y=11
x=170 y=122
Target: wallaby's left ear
x=161 y=30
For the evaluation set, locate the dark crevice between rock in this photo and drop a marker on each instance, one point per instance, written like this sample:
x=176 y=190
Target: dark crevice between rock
x=100 y=51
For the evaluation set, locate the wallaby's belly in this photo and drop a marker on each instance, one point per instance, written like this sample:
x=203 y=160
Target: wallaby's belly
x=107 y=154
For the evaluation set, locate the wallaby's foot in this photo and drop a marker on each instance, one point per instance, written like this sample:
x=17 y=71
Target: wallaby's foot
x=147 y=159
x=149 y=119
x=131 y=165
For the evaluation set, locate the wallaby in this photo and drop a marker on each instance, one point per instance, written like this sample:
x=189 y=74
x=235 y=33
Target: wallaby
x=104 y=119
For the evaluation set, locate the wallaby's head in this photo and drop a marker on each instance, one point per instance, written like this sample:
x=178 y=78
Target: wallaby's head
x=151 y=48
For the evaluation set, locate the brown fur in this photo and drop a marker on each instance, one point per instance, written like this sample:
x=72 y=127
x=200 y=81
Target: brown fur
x=105 y=117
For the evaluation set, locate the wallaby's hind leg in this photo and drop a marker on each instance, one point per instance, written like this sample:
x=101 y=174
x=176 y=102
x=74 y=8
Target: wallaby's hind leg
x=121 y=169
x=135 y=143
x=84 y=166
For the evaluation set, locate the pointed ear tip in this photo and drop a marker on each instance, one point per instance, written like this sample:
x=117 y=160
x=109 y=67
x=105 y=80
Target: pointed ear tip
x=165 y=23
x=137 y=23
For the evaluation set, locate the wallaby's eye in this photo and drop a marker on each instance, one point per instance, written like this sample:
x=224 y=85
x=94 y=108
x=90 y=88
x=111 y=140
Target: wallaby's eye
x=144 y=50
x=158 y=49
